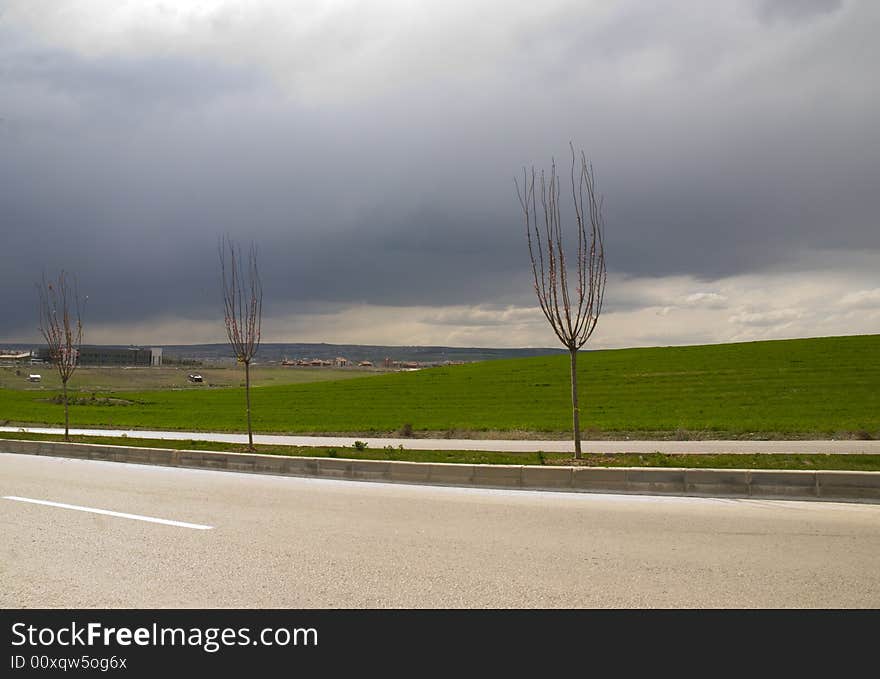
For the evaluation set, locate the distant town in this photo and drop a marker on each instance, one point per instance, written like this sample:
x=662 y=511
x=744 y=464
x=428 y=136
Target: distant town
x=387 y=363
x=289 y=355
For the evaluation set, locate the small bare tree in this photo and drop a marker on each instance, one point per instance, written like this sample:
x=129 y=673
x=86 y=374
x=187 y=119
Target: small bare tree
x=243 y=310
x=61 y=328
x=573 y=317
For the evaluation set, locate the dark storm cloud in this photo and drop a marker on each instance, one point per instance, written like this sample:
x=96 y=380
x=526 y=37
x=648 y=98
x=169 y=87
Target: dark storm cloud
x=719 y=151
x=86 y=185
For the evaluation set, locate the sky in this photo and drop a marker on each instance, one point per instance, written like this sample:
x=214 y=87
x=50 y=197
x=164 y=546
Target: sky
x=369 y=149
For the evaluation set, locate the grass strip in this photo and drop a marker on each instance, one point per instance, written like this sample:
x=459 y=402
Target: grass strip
x=693 y=461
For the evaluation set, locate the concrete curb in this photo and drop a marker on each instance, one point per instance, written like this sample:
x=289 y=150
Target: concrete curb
x=804 y=485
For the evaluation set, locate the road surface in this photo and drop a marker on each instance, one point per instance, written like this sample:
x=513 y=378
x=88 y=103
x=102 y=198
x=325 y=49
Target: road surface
x=80 y=533
x=502 y=445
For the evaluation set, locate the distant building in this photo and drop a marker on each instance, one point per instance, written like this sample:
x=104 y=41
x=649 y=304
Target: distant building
x=402 y=365
x=340 y=362
x=365 y=364
x=15 y=357
x=111 y=356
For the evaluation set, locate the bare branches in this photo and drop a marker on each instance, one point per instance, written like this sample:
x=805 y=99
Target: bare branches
x=242 y=299
x=61 y=328
x=243 y=310
x=61 y=323
x=573 y=315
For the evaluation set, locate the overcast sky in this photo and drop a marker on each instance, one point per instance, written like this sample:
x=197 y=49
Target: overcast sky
x=369 y=150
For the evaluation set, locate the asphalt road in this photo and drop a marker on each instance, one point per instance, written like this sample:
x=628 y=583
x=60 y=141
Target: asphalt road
x=238 y=540
x=500 y=445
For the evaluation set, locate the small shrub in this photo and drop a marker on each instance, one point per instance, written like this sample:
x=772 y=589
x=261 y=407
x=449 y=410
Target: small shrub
x=331 y=452
x=406 y=430
x=857 y=435
x=360 y=445
x=541 y=458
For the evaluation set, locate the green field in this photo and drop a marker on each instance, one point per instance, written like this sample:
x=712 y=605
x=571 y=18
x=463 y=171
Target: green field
x=138 y=379
x=827 y=387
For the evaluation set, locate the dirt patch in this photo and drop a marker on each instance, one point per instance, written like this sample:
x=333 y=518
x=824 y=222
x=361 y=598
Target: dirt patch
x=89 y=401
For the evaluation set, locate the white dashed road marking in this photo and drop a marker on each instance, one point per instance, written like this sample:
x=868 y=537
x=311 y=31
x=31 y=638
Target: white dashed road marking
x=107 y=512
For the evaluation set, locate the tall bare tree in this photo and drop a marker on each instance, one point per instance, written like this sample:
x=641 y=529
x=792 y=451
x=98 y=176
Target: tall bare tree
x=61 y=328
x=243 y=310
x=572 y=314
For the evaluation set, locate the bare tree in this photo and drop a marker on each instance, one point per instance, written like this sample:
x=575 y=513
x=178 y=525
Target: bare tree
x=573 y=317
x=61 y=328
x=243 y=310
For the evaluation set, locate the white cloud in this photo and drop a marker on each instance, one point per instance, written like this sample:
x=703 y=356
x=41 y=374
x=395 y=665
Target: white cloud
x=774 y=317
x=346 y=47
x=708 y=300
x=862 y=299
x=314 y=47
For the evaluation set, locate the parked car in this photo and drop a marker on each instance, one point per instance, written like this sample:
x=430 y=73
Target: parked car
x=195 y=377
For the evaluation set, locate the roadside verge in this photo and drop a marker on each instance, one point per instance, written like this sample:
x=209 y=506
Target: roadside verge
x=808 y=485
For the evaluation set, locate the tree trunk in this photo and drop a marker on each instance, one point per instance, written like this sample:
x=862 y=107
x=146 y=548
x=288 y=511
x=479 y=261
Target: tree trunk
x=575 y=410
x=247 y=391
x=66 y=416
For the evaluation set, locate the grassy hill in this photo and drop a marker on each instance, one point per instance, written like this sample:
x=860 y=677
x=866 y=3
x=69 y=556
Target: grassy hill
x=791 y=388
